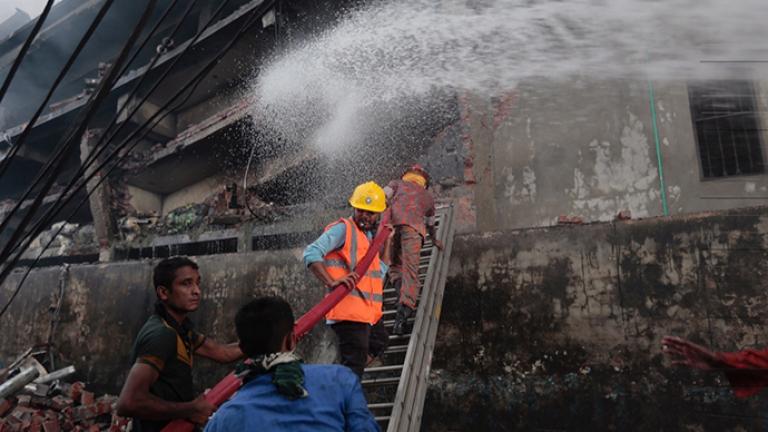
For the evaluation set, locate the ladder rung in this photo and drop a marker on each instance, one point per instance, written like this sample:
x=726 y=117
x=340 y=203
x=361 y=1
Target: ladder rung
x=393 y=337
x=383 y=368
x=384 y=405
x=389 y=323
x=382 y=419
x=380 y=381
x=396 y=349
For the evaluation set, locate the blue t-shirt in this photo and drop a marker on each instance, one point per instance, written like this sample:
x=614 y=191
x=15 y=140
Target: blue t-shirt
x=335 y=403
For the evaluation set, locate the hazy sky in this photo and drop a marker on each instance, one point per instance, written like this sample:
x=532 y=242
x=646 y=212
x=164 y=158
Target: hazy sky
x=32 y=7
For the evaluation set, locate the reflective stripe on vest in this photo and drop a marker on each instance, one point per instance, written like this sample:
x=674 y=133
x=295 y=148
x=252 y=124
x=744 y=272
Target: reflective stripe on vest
x=379 y=298
x=336 y=263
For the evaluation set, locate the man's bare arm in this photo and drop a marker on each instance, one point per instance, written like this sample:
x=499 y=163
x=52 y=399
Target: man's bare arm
x=136 y=401
x=222 y=353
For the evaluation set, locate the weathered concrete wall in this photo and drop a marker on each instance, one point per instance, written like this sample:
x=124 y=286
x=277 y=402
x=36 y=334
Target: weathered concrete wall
x=560 y=328
x=193 y=194
x=104 y=307
x=543 y=329
x=587 y=148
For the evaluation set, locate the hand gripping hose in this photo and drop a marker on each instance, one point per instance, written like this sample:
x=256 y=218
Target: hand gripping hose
x=227 y=387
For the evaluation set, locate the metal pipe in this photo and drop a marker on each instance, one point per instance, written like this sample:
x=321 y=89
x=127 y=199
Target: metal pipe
x=28 y=374
x=56 y=375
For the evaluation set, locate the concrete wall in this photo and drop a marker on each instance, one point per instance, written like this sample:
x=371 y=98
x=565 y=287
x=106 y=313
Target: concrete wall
x=543 y=329
x=560 y=328
x=192 y=194
x=144 y=201
x=104 y=306
x=587 y=148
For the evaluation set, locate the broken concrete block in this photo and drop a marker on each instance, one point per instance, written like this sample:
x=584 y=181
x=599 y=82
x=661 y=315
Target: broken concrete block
x=41 y=402
x=60 y=402
x=85 y=412
x=24 y=400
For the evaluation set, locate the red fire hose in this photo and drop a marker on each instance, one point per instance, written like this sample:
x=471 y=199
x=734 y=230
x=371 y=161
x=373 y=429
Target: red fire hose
x=227 y=387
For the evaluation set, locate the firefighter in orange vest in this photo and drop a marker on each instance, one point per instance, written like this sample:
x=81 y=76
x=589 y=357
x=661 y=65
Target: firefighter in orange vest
x=332 y=258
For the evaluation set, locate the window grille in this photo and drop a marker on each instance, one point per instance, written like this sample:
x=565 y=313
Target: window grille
x=727 y=128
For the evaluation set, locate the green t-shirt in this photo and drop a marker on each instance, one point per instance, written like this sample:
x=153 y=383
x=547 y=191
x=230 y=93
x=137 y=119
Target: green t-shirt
x=160 y=346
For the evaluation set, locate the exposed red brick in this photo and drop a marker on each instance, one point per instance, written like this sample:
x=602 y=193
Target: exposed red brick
x=86 y=398
x=569 y=220
x=75 y=390
x=51 y=425
x=5 y=406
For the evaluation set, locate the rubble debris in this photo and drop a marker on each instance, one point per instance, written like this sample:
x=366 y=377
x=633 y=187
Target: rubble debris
x=65 y=407
x=72 y=240
x=184 y=219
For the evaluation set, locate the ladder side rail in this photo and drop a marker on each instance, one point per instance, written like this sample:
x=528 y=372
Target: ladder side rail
x=401 y=410
x=423 y=383
x=423 y=355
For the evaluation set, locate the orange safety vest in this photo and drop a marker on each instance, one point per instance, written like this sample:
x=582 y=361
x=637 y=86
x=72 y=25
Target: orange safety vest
x=365 y=302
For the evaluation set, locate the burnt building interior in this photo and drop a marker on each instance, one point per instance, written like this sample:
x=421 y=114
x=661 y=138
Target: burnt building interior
x=181 y=187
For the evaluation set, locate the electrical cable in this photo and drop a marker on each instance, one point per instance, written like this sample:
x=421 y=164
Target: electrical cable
x=21 y=140
x=31 y=123
x=23 y=52
x=100 y=145
x=114 y=119
x=255 y=15
x=79 y=127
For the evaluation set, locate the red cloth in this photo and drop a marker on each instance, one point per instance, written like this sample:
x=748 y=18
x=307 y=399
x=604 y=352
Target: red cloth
x=747 y=371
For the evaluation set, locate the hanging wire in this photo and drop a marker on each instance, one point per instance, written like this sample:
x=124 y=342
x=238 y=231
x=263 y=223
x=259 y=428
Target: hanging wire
x=56 y=164
x=28 y=128
x=103 y=142
x=255 y=15
x=23 y=52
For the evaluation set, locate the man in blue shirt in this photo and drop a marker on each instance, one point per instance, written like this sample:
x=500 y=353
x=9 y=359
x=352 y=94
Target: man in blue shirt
x=280 y=393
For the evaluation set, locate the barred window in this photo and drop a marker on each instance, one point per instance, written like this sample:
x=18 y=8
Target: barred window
x=727 y=127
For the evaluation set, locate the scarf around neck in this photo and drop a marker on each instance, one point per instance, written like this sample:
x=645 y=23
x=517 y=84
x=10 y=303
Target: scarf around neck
x=285 y=367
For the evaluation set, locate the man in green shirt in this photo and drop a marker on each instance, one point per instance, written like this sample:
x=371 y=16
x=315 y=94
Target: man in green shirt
x=159 y=386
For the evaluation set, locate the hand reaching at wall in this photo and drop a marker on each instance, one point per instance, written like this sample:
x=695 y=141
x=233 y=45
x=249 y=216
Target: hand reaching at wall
x=687 y=353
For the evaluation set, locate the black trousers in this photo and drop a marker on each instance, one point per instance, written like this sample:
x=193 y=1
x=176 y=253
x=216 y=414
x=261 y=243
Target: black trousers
x=358 y=340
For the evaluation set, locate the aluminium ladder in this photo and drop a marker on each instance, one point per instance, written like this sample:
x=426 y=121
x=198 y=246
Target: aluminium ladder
x=396 y=390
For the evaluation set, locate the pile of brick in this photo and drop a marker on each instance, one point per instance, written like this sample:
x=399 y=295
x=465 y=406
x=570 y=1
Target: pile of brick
x=62 y=407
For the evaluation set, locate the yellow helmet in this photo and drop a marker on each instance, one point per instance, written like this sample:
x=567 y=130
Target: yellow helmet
x=369 y=197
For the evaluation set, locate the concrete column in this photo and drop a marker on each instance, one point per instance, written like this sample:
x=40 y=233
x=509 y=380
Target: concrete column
x=100 y=197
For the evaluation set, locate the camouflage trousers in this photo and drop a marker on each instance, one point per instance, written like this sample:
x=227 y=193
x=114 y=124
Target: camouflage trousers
x=404 y=271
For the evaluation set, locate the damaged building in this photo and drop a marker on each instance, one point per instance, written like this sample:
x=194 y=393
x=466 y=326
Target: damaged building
x=593 y=217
